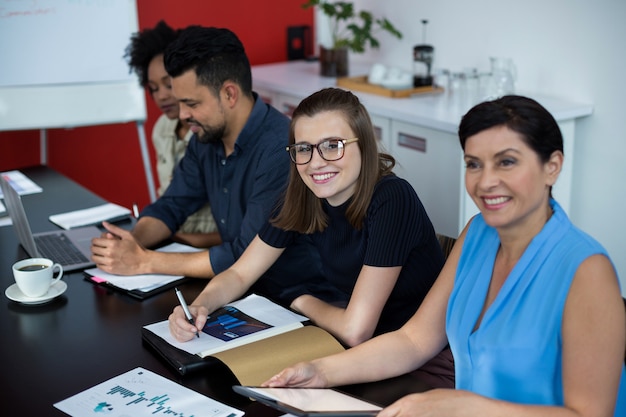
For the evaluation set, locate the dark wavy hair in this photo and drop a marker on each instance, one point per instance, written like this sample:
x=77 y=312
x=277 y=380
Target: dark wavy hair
x=216 y=55
x=523 y=115
x=145 y=45
x=302 y=211
x=537 y=127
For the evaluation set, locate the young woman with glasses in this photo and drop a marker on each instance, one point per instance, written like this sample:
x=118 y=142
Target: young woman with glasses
x=378 y=248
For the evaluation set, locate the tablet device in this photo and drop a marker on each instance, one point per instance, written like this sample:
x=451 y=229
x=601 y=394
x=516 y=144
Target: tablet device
x=310 y=402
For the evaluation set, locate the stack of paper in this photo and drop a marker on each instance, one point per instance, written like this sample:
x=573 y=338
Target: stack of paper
x=20 y=183
x=92 y=216
x=144 y=282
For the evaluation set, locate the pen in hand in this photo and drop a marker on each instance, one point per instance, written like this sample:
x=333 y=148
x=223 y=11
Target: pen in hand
x=183 y=304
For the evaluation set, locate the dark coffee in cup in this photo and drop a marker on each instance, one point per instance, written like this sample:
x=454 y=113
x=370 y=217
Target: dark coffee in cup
x=29 y=268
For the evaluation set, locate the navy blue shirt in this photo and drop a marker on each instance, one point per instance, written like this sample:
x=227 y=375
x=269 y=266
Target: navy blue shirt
x=242 y=189
x=396 y=232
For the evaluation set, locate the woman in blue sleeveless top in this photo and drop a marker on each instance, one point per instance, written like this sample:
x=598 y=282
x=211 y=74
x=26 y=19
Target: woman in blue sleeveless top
x=530 y=304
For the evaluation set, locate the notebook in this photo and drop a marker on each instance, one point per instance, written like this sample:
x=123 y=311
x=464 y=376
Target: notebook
x=70 y=248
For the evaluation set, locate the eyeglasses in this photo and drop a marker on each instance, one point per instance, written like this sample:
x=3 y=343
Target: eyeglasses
x=331 y=149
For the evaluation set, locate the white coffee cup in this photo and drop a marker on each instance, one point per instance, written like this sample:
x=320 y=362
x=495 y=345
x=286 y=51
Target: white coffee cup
x=35 y=276
x=377 y=74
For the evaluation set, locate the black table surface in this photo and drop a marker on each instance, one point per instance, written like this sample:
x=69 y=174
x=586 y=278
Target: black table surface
x=91 y=334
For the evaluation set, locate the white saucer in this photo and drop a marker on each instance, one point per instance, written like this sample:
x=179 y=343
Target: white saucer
x=14 y=293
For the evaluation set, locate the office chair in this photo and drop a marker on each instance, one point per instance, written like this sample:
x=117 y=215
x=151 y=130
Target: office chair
x=446 y=243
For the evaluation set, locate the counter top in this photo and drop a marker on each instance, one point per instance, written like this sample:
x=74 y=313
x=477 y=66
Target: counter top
x=441 y=111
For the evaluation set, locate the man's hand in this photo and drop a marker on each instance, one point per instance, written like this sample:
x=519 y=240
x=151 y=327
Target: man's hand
x=117 y=252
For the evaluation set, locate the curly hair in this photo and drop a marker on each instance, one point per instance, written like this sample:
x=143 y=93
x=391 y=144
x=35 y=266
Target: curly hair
x=147 y=44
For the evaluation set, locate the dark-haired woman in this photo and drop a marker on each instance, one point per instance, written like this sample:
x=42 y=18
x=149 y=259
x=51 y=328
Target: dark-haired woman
x=170 y=134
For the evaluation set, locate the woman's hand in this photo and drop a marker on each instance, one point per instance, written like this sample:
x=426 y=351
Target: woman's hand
x=303 y=374
x=180 y=328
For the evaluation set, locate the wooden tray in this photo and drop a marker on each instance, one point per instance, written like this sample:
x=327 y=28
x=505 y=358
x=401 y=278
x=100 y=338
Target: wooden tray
x=360 y=83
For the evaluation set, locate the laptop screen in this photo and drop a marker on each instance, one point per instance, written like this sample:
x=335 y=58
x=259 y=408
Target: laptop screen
x=18 y=216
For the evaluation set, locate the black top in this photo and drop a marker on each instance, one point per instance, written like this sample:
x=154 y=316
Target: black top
x=396 y=232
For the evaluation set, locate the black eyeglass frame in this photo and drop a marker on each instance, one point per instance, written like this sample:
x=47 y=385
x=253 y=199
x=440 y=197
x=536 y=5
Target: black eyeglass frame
x=343 y=142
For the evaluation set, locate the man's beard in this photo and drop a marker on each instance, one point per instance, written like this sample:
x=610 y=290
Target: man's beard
x=211 y=134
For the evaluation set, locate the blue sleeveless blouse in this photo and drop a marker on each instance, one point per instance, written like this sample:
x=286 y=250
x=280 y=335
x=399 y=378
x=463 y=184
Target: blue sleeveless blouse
x=515 y=354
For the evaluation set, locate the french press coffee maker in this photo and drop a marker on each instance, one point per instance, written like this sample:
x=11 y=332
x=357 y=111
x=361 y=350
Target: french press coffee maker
x=423 y=56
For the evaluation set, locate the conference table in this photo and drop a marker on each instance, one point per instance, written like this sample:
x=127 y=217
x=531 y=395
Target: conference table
x=90 y=334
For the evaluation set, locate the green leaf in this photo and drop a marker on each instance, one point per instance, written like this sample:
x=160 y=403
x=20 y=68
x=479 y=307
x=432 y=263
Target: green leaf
x=352 y=30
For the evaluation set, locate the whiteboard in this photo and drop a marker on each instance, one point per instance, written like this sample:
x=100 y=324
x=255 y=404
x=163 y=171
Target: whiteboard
x=63 y=64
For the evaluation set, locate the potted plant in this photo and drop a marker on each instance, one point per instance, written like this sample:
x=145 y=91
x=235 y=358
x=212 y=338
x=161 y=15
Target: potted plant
x=350 y=31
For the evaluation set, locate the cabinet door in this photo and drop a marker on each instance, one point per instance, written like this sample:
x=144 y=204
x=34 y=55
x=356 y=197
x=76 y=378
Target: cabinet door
x=382 y=129
x=266 y=95
x=431 y=161
x=286 y=103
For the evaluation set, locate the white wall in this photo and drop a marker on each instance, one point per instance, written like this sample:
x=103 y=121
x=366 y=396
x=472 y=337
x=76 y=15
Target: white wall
x=573 y=49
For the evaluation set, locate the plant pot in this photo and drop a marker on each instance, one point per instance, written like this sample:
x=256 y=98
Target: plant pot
x=333 y=62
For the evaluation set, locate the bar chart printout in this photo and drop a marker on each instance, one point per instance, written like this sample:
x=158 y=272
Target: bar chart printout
x=143 y=393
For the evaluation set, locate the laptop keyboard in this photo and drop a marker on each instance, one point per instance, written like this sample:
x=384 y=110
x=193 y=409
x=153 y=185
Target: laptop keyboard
x=60 y=249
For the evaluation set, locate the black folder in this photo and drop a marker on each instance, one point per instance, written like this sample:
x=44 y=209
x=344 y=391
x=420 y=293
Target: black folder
x=184 y=362
x=138 y=294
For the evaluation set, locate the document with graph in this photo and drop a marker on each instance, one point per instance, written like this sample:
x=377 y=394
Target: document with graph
x=141 y=392
x=254 y=337
x=245 y=321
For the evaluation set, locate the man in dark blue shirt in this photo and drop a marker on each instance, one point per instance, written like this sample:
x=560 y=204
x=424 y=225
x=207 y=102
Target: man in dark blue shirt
x=236 y=161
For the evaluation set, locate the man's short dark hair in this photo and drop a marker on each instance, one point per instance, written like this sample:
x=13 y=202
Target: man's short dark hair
x=216 y=55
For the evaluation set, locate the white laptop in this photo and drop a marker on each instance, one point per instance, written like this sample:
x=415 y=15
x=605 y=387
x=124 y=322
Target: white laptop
x=70 y=248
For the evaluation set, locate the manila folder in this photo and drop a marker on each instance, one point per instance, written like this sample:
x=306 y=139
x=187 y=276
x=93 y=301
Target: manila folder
x=257 y=362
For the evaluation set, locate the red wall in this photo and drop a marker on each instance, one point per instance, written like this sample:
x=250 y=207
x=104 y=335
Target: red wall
x=106 y=159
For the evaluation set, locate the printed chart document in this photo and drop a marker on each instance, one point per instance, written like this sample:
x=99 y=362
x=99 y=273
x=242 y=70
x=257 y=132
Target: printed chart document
x=254 y=337
x=141 y=392
x=244 y=321
x=138 y=284
x=110 y=212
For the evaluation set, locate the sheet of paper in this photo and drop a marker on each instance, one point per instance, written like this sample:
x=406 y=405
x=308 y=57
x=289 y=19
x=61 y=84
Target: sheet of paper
x=90 y=216
x=253 y=305
x=144 y=282
x=20 y=183
x=141 y=392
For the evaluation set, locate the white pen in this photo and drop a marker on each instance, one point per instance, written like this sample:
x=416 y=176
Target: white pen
x=135 y=211
x=183 y=304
